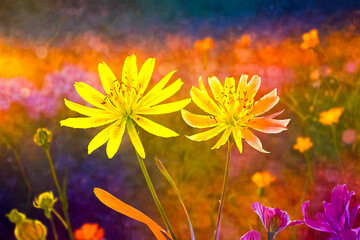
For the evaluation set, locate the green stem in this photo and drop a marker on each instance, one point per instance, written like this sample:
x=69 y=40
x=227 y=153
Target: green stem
x=223 y=192
x=309 y=167
x=18 y=161
x=60 y=218
x=154 y=195
x=63 y=199
x=271 y=236
x=56 y=237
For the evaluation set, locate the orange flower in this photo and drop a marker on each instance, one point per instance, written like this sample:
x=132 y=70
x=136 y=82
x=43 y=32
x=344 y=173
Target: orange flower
x=121 y=207
x=204 y=45
x=303 y=144
x=262 y=179
x=311 y=39
x=331 y=116
x=244 y=41
x=89 y=231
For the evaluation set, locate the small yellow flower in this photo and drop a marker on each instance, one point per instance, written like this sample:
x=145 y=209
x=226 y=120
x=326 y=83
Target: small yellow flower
x=303 y=144
x=204 y=45
x=46 y=202
x=43 y=137
x=125 y=102
x=310 y=39
x=234 y=111
x=262 y=179
x=331 y=116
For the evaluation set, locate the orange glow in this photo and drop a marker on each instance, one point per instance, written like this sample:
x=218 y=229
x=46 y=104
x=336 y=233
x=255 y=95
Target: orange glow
x=89 y=231
x=204 y=45
x=262 y=179
x=310 y=39
x=331 y=116
x=303 y=144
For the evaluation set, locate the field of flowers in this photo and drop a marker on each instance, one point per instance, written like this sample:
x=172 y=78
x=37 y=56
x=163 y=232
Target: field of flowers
x=145 y=129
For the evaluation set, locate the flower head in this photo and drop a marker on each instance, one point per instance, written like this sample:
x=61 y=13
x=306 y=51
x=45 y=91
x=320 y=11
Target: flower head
x=262 y=179
x=331 y=116
x=234 y=111
x=46 y=202
x=43 y=137
x=310 y=39
x=251 y=235
x=303 y=144
x=124 y=103
x=337 y=219
x=273 y=219
x=89 y=231
x=204 y=45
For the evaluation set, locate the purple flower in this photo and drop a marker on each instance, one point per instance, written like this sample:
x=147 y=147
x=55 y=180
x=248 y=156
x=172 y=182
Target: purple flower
x=336 y=219
x=251 y=235
x=273 y=219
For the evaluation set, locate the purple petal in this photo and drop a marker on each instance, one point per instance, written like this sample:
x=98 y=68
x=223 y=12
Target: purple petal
x=265 y=214
x=320 y=224
x=296 y=222
x=353 y=215
x=252 y=235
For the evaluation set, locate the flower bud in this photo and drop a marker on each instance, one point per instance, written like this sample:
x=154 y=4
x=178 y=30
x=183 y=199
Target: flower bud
x=15 y=216
x=43 y=137
x=46 y=202
x=30 y=230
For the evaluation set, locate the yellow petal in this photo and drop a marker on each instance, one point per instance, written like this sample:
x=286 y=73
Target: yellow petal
x=129 y=72
x=134 y=137
x=87 y=111
x=107 y=77
x=223 y=139
x=153 y=127
x=265 y=103
x=121 y=207
x=253 y=86
x=199 y=121
x=91 y=95
x=252 y=140
x=201 y=84
x=116 y=135
x=165 y=108
x=237 y=138
x=164 y=94
x=145 y=74
x=216 y=88
x=241 y=86
x=157 y=88
x=203 y=101
x=87 y=122
x=101 y=138
x=207 y=134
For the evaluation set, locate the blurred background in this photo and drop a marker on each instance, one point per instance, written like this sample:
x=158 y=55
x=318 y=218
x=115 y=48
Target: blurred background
x=47 y=46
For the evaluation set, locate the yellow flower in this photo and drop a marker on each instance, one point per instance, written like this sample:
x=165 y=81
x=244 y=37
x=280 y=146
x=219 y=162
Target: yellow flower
x=43 y=137
x=303 y=144
x=234 y=111
x=311 y=39
x=124 y=103
x=331 y=116
x=46 y=202
x=262 y=179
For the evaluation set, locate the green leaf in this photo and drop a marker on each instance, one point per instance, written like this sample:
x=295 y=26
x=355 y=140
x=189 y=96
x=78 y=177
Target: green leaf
x=169 y=179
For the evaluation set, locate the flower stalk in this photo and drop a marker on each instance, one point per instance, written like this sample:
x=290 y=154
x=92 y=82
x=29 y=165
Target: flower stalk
x=154 y=195
x=62 y=195
x=223 y=192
